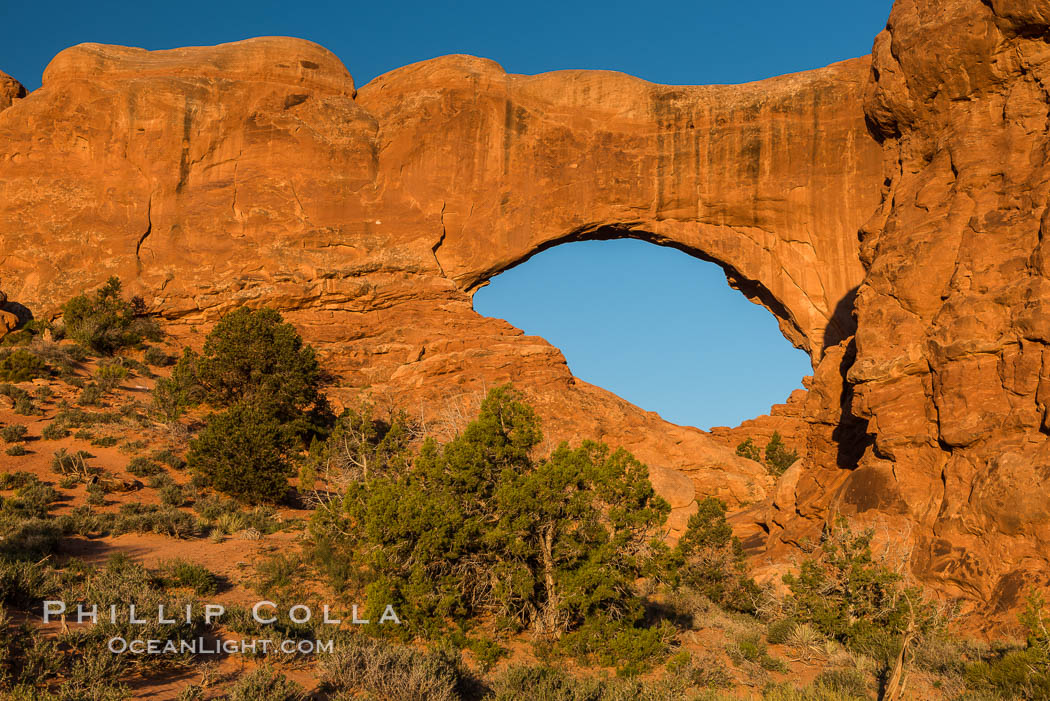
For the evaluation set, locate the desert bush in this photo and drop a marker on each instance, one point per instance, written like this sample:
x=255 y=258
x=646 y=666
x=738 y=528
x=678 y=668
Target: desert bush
x=157 y=358
x=143 y=467
x=16 y=450
x=66 y=463
x=1018 y=672
x=26 y=584
x=710 y=559
x=242 y=452
x=392 y=671
x=172 y=495
x=54 y=431
x=96 y=495
x=166 y=457
x=253 y=356
x=27 y=660
x=21 y=366
x=24 y=406
x=778 y=632
x=610 y=643
x=479 y=527
x=13 y=433
x=28 y=539
x=363 y=445
x=524 y=683
x=110 y=374
x=91 y=395
x=105 y=323
x=850 y=597
x=750 y=648
x=265 y=684
x=15 y=480
x=33 y=499
x=122 y=582
x=104 y=441
x=778 y=457
x=182 y=573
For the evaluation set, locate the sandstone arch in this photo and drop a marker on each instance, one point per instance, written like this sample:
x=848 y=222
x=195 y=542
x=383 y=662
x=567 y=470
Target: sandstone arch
x=256 y=173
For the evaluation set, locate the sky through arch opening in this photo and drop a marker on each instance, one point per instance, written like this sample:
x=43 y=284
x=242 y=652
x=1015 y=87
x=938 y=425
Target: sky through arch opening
x=656 y=326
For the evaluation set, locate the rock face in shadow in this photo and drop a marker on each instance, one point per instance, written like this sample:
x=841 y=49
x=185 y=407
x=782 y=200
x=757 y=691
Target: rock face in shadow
x=889 y=211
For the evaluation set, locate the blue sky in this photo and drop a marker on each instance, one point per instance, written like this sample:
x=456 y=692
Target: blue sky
x=651 y=324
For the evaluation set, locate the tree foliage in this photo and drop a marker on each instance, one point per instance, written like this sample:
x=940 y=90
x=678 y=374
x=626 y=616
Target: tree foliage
x=778 y=457
x=265 y=383
x=253 y=356
x=479 y=526
x=106 y=322
x=850 y=597
x=243 y=452
x=711 y=560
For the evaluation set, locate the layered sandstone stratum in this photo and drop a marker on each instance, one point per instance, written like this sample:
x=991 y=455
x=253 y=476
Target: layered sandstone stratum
x=889 y=211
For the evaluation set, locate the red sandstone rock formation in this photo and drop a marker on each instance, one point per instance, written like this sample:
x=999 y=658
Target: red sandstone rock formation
x=255 y=173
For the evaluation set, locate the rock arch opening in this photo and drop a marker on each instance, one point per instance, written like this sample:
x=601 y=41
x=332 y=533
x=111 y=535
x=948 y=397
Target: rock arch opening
x=654 y=324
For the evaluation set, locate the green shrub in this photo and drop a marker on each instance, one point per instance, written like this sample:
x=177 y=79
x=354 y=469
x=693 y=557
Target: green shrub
x=182 y=573
x=21 y=366
x=242 y=452
x=16 y=450
x=14 y=433
x=26 y=584
x=106 y=322
x=850 y=682
x=172 y=495
x=143 y=467
x=24 y=406
x=778 y=632
x=168 y=458
x=710 y=559
x=104 y=441
x=610 y=643
x=778 y=457
x=96 y=495
x=110 y=375
x=389 y=671
x=66 y=463
x=750 y=648
x=91 y=395
x=54 y=431
x=1018 y=673
x=853 y=599
x=748 y=449
x=16 y=480
x=480 y=527
x=265 y=684
x=158 y=358
x=253 y=356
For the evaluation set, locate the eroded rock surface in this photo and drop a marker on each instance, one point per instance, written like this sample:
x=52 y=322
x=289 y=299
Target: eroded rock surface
x=254 y=173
